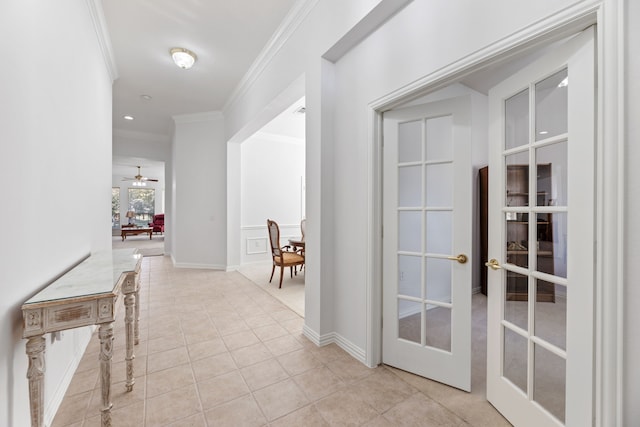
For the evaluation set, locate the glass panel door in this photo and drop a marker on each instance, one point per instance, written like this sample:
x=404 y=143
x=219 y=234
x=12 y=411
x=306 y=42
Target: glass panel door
x=536 y=243
x=541 y=223
x=427 y=190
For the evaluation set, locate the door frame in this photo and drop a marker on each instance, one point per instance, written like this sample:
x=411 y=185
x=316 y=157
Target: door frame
x=608 y=16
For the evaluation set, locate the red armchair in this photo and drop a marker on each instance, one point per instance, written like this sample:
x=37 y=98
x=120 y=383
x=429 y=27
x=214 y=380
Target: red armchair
x=158 y=223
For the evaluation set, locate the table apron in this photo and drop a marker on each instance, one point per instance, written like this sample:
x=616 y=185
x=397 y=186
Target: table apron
x=40 y=321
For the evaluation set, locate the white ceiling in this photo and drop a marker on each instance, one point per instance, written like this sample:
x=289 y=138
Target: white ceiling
x=127 y=166
x=226 y=35
x=289 y=123
x=484 y=79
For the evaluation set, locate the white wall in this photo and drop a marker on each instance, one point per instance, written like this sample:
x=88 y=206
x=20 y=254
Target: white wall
x=272 y=171
x=198 y=187
x=141 y=145
x=55 y=161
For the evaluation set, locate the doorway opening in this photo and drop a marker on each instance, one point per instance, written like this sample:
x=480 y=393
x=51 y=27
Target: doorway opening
x=272 y=186
x=138 y=197
x=407 y=159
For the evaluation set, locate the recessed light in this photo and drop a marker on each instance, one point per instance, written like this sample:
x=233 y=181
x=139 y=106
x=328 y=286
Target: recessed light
x=146 y=97
x=543 y=132
x=127 y=117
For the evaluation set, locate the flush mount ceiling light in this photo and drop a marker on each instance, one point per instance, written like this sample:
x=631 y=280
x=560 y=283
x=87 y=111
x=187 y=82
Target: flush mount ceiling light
x=127 y=117
x=183 y=58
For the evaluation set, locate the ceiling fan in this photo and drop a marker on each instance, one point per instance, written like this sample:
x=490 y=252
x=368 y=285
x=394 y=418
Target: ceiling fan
x=139 y=179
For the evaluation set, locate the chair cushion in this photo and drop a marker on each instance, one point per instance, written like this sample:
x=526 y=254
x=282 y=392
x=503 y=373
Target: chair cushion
x=290 y=258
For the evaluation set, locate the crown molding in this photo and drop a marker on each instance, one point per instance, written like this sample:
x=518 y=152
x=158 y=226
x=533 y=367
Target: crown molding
x=289 y=25
x=102 y=35
x=197 y=117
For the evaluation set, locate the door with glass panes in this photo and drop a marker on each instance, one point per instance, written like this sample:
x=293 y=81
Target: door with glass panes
x=541 y=239
x=427 y=214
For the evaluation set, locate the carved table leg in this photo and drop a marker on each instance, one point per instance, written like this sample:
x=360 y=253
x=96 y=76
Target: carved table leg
x=105 y=332
x=129 y=304
x=136 y=328
x=35 y=374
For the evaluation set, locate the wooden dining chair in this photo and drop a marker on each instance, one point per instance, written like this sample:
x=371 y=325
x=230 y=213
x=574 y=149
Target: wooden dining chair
x=303 y=225
x=282 y=256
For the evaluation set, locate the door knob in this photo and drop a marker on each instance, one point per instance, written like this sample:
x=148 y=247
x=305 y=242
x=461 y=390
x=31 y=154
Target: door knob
x=462 y=258
x=493 y=264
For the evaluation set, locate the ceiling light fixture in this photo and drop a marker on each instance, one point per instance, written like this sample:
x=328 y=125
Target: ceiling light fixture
x=146 y=97
x=183 y=58
x=127 y=117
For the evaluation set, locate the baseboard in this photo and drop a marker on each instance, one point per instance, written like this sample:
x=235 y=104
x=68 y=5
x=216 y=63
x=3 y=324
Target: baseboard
x=355 y=351
x=333 y=337
x=232 y=268
x=311 y=334
x=267 y=261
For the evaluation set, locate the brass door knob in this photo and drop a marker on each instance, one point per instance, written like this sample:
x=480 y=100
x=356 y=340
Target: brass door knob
x=493 y=264
x=462 y=258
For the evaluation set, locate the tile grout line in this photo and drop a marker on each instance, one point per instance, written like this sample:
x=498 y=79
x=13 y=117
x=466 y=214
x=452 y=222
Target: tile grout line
x=195 y=381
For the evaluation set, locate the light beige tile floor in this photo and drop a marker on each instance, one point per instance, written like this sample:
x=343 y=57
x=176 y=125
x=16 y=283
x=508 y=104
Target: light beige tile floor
x=217 y=350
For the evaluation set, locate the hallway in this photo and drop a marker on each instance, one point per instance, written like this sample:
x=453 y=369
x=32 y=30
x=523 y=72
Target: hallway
x=217 y=350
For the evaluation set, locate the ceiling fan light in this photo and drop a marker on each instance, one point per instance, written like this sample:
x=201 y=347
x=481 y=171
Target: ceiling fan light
x=183 y=58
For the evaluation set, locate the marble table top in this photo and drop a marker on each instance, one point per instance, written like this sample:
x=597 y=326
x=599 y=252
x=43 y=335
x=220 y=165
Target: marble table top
x=98 y=274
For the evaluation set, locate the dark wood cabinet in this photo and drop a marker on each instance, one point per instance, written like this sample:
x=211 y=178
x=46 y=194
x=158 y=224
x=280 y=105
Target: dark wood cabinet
x=517 y=231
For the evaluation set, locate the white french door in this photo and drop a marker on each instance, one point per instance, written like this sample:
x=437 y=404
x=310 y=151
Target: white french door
x=540 y=332
x=427 y=215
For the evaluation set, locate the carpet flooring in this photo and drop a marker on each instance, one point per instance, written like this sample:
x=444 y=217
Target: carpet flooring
x=146 y=246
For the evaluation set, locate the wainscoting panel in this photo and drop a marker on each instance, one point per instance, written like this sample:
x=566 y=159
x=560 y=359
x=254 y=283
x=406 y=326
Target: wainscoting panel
x=254 y=241
x=257 y=245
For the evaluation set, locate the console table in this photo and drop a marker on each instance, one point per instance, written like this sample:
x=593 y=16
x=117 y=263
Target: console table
x=85 y=295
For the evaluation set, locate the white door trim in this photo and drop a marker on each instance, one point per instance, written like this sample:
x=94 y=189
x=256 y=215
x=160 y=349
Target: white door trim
x=610 y=208
x=608 y=15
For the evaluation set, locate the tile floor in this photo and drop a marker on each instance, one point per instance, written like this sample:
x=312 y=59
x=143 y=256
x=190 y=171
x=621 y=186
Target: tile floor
x=217 y=350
